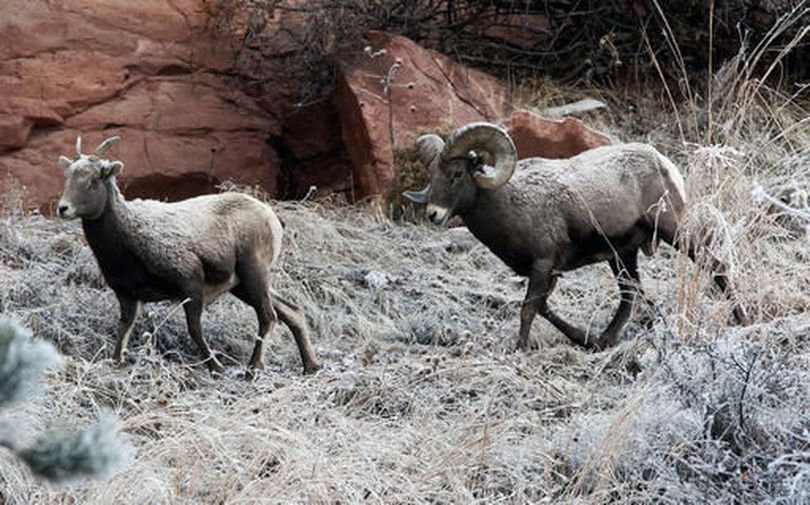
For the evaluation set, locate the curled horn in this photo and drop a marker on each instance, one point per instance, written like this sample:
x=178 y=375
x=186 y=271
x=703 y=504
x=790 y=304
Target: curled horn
x=106 y=145
x=489 y=138
x=79 y=145
x=428 y=147
x=417 y=196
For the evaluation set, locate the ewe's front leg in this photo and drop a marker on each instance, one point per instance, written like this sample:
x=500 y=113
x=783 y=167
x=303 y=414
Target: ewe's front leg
x=130 y=309
x=193 y=310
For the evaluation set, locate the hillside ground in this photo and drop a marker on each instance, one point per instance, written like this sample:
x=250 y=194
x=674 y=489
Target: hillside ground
x=422 y=397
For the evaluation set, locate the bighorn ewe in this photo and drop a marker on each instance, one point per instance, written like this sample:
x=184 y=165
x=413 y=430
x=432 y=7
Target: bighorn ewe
x=558 y=215
x=193 y=250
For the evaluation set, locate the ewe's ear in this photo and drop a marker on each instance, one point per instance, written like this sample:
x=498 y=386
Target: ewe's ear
x=110 y=168
x=64 y=162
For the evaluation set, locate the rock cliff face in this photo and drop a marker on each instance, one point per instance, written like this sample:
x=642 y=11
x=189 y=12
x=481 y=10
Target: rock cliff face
x=149 y=71
x=396 y=89
x=153 y=72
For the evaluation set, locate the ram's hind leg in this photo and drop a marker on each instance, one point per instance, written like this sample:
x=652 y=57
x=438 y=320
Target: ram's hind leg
x=626 y=272
x=717 y=268
x=253 y=290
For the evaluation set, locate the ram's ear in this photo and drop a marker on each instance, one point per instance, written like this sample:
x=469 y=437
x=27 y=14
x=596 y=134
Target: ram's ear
x=111 y=168
x=475 y=161
x=64 y=162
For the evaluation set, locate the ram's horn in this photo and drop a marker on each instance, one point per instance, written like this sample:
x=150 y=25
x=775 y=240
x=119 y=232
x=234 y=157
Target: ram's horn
x=417 y=196
x=428 y=147
x=489 y=138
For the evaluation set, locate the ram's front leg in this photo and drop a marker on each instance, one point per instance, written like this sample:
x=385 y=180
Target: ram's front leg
x=130 y=309
x=541 y=284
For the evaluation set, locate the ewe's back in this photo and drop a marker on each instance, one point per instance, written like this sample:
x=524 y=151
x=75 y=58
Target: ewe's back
x=209 y=226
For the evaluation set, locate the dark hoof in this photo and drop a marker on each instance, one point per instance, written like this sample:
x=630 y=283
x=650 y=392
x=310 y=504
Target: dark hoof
x=311 y=368
x=215 y=367
x=740 y=317
x=604 y=342
x=119 y=358
x=527 y=346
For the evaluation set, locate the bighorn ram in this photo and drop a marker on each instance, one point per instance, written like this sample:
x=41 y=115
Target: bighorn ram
x=558 y=215
x=193 y=250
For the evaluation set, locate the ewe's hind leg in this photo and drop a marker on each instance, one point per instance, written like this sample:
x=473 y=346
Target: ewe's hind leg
x=252 y=289
x=130 y=309
x=295 y=321
x=193 y=310
x=541 y=284
x=626 y=272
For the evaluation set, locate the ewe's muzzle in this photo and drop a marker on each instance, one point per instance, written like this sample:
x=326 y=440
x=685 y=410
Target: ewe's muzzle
x=65 y=211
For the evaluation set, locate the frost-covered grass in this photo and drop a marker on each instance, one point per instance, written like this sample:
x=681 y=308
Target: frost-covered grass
x=421 y=397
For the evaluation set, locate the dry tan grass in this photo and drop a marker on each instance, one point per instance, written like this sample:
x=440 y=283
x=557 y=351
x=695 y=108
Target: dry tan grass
x=421 y=398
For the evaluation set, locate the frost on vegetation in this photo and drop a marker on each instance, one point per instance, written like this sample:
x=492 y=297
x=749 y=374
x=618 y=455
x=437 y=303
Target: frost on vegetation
x=22 y=362
x=796 y=208
x=56 y=455
x=713 y=423
x=96 y=451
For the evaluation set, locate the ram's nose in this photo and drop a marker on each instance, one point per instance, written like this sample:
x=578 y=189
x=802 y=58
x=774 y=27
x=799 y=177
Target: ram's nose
x=436 y=214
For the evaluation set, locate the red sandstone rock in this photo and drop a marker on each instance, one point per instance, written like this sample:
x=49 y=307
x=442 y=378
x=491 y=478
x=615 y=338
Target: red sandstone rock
x=395 y=90
x=525 y=30
x=150 y=71
x=547 y=138
x=14 y=131
x=153 y=73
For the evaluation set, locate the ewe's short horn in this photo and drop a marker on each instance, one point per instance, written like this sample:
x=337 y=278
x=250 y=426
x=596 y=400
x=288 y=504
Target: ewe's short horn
x=428 y=147
x=484 y=137
x=79 y=145
x=106 y=145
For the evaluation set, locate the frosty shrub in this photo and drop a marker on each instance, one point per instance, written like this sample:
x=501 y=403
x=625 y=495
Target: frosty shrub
x=22 y=362
x=55 y=455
